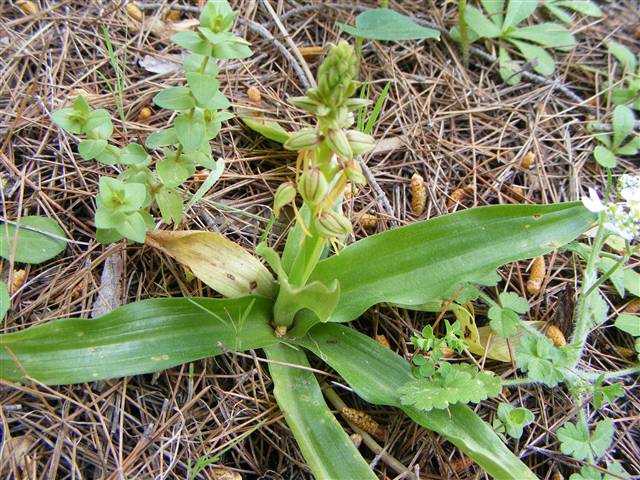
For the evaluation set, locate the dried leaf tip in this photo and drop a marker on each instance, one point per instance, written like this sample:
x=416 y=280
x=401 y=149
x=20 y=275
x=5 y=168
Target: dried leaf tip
x=418 y=194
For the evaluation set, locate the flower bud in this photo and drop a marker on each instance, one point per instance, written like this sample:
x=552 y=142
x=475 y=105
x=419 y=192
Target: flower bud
x=284 y=196
x=313 y=186
x=336 y=76
x=309 y=105
x=355 y=103
x=331 y=224
x=360 y=142
x=353 y=171
x=305 y=139
x=339 y=144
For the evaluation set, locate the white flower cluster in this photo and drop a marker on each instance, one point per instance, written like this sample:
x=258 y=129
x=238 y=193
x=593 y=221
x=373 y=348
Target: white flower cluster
x=623 y=217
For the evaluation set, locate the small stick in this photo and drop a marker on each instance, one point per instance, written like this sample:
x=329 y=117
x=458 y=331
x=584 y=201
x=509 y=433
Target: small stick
x=380 y=451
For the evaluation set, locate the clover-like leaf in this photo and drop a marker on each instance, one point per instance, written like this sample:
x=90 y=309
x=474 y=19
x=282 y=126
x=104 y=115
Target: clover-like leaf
x=576 y=441
x=537 y=356
x=514 y=419
x=453 y=383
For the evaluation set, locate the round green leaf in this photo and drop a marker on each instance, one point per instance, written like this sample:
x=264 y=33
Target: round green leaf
x=629 y=323
x=99 y=124
x=134 y=154
x=604 y=157
x=175 y=98
x=388 y=25
x=90 y=149
x=30 y=246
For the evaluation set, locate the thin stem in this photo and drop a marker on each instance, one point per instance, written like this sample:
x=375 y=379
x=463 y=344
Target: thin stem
x=611 y=271
x=582 y=309
x=592 y=376
x=464 y=32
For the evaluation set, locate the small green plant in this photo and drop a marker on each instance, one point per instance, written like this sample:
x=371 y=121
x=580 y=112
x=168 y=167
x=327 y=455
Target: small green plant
x=558 y=8
x=628 y=93
x=316 y=283
x=512 y=420
x=502 y=25
x=124 y=204
x=616 y=144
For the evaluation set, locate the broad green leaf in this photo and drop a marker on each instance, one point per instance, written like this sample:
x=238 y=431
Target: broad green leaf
x=558 y=12
x=5 y=301
x=111 y=155
x=326 y=447
x=481 y=24
x=514 y=302
x=314 y=296
x=387 y=25
x=175 y=98
x=584 y=7
x=510 y=71
x=495 y=9
x=203 y=87
x=30 y=245
x=173 y=173
x=576 y=441
x=627 y=323
x=99 y=124
x=170 y=204
x=624 y=55
x=604 y=157
x=90 y=149
x=538 y=356
x=545 y=34
x=514 y=419
x=131 y=226
x=232 y=50
x=376 y=374
x=69 y=120
x=267 y=128
x=141 y=337
x=504 y=321
x=539 y=58
x=194 y=62
x=134 y=154
x=162 y=138
x=623 y=121
x=193 y=42
x=517 y=11
x=190 y=132
x=220 y=263
x=427 y=260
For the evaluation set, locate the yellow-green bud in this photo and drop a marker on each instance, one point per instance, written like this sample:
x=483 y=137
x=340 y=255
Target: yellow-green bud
x=339 y=144
x=285 y=194
x=353 y=171
x=309 y=105
x=305 y=139
x=337 y=74
x=313 y=186
x=360 y=142
x=331 y=224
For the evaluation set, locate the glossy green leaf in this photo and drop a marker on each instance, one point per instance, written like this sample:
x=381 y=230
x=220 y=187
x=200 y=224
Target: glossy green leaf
x=624 y=55
x=175 y=98
x=141 y=337
x=539 y=58
x=32 y=246
x=623 y=121
x=90 y=149
x=170 y=204
x=480 y=24
x=376 y=374
x=193 y=42
x=517 y=11
x=427 y=260
x=326 y=447
x=546 y=34
x=604 y=157
x=627 y=323
x=5 y=301
x=203 y=87
x=134 y=154
x=387 y=25
x=267 y=128
x=190 y=131
x=162 y=138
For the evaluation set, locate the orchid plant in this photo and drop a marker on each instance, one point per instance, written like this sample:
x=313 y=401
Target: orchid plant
x=320 y=280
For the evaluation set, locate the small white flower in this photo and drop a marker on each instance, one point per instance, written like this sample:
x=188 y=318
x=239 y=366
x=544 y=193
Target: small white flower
x=593 y=202
x=630 y=188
